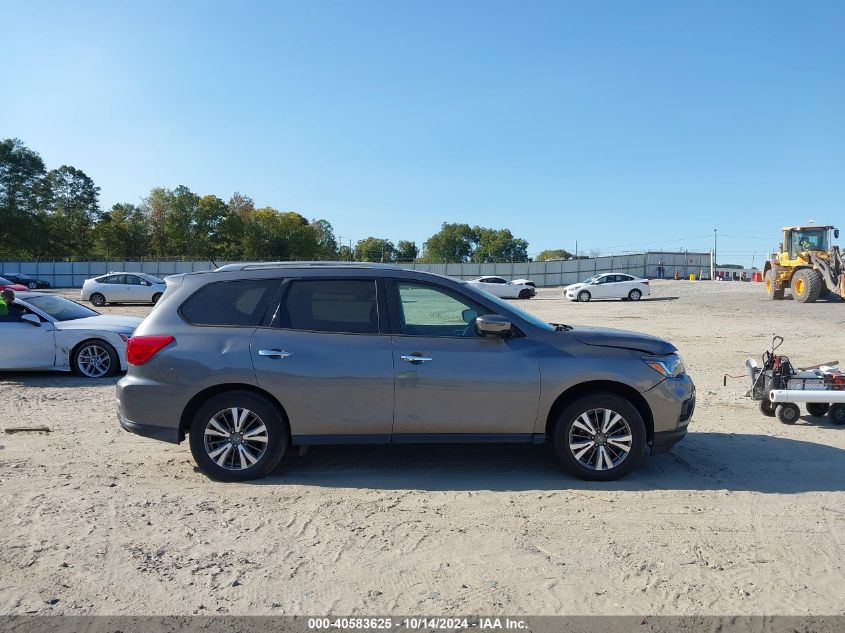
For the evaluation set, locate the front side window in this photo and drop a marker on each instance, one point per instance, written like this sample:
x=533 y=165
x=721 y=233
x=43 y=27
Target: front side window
x=132 y=280
x=429 y=311
x=230 y=303
x=344 y=306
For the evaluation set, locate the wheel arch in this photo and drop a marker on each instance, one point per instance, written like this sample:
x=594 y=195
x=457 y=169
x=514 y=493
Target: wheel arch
x=209 y=392
x=594 y=386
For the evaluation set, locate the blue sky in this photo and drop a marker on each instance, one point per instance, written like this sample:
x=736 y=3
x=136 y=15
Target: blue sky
x=621 y=125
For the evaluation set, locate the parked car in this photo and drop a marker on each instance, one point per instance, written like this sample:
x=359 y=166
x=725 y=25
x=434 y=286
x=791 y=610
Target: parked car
x=8 y=283
x=523 y=282
x=55 y=333
x=609 y=286
x=501 y=287
x=26 y=280
x=122 y=288
x=252 y=359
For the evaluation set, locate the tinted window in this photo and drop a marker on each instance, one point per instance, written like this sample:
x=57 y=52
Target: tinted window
x=236 y=303
x=346 y=306
x=132 y=280
x=429 y=311
x=111 y=279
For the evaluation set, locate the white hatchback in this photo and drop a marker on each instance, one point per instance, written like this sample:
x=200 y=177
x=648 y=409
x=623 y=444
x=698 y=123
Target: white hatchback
x=122 y=288
x=501 y=287
x=609 y=286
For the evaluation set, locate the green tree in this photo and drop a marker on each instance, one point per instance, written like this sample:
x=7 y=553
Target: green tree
x=156 y=208
x=73 y=207
x=273 y=235
x=211 y=215
x=558 y=253
x=500 y=245
x=22 y=195
x=406 y=251
x=452 y=243
x=326 y=240
x=345 y=254
x=181 y=222
x=121 y=233
x=375 y=249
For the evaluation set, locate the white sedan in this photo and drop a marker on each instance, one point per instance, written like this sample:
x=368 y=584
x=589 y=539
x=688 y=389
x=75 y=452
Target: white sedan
x=122 y=288
x=44 y=331
x=501 y=287
x=609 y=286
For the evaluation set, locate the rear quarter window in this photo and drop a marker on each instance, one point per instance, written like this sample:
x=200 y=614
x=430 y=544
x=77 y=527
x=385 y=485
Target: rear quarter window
x=240 y=303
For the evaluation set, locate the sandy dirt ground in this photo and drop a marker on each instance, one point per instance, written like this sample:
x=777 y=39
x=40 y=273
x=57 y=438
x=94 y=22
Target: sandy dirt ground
x=746 y=516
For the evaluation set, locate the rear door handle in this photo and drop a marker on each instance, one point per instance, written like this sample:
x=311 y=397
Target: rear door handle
x=413 y=358
x=274 y=353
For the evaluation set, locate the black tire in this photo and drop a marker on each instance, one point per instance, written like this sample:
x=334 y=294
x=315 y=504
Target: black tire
x=84 y=359
x=524 y=294
x=788 y=413
x=97 y=299
x=635 y=295
x=587 y=405
x=584 y=296
x=837 y=413
x=817 y=409
x=806 y=285
x=156 y=297
x=767 y=408
x=268 y=415
x=771 y=291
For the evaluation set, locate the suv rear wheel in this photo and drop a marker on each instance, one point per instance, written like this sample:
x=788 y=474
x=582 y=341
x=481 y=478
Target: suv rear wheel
x=238 y=435
x=599 y=437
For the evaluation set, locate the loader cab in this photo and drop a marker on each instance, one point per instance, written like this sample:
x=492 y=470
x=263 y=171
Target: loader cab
x=798 y=239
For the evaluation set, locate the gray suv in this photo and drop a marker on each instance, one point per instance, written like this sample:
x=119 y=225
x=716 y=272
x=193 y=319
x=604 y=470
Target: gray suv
x=251 y=359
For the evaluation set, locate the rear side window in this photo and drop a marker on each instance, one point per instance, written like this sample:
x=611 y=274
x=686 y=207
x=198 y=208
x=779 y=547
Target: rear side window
x=233 y=303
x=346 y=306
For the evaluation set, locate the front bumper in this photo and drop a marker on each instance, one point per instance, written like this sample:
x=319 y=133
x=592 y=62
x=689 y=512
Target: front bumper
x=672 y=404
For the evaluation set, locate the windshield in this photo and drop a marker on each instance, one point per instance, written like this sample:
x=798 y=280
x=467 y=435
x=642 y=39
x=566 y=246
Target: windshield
x=591 y=279
x=5 y=281
x=808 y=240
x=519 y=311
x=60 y=308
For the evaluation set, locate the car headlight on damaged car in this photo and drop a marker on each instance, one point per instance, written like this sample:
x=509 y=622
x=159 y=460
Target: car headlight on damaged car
x=669 y=366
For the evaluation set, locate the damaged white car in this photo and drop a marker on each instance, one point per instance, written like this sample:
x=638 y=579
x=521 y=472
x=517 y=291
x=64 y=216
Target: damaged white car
x=44 y=331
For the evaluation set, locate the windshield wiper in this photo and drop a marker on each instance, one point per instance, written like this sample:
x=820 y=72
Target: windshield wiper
x=561 y=327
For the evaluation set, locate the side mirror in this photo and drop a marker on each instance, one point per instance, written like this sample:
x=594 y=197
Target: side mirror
x=492 y=325
x=836 y=234
x=31 y=319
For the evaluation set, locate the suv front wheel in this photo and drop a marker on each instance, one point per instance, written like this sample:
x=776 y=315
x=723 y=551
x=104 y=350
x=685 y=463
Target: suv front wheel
x=599 y=437
x=238 y=435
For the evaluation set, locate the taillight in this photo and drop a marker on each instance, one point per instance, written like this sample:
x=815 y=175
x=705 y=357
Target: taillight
x=140 y=349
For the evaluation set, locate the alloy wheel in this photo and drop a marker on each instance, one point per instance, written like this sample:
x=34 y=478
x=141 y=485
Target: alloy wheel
x=94 y=361
x=236 y=438
x=600 y=439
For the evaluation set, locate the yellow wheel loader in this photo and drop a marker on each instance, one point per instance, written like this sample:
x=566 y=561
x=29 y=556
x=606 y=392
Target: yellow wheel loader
x=807 y=264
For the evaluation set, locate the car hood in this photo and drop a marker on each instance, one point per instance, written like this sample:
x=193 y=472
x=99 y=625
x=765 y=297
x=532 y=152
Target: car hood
x=606 y=337
x=575 y=286
x=109 y=322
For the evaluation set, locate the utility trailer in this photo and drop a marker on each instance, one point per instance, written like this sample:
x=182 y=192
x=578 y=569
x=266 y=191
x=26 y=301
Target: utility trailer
x=779 y=387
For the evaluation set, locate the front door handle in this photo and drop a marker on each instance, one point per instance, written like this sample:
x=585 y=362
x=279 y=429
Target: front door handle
x=274 y=353
x=415 y=358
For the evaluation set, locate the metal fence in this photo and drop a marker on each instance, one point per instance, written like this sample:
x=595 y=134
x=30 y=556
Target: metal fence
x=62 y=274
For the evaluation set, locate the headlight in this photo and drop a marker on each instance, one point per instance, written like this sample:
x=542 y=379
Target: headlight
x=669 y=366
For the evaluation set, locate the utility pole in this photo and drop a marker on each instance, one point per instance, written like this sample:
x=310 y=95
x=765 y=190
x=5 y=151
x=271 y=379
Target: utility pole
x=715 y=250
